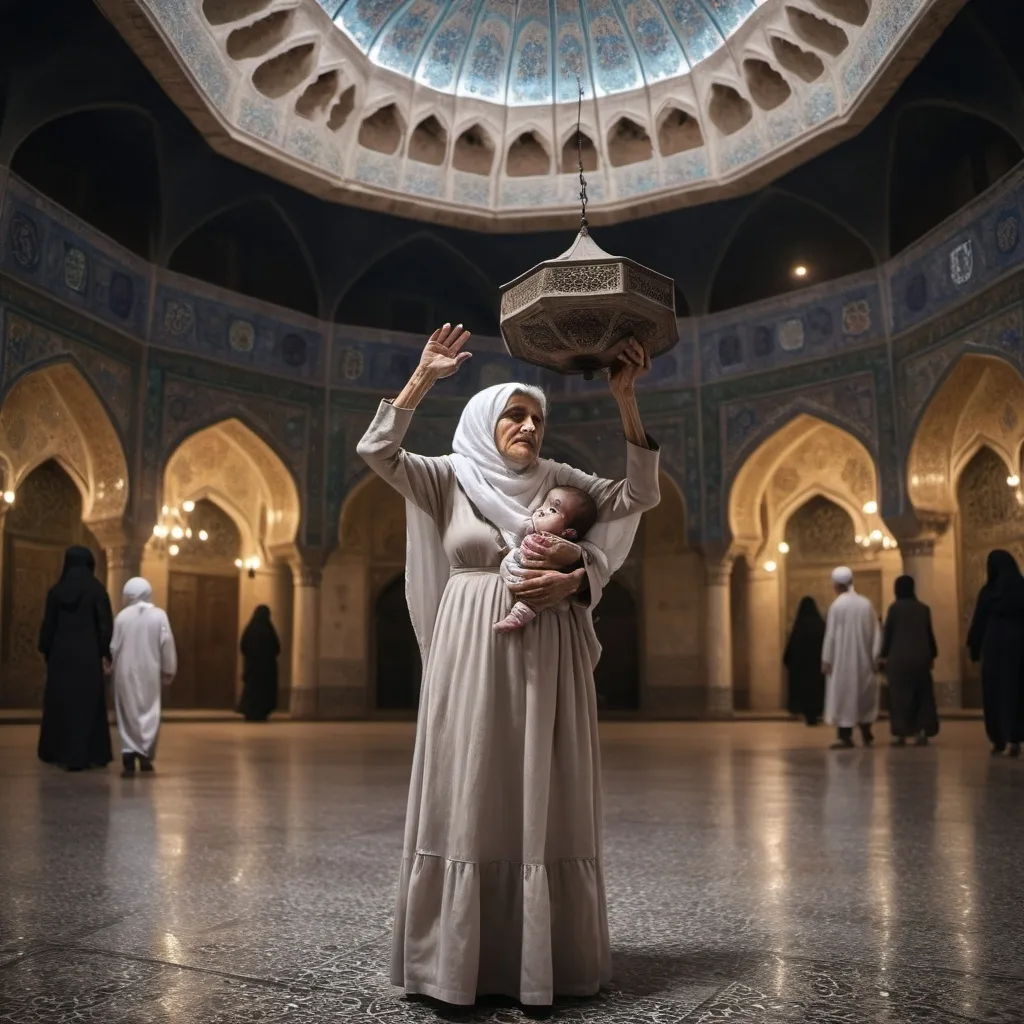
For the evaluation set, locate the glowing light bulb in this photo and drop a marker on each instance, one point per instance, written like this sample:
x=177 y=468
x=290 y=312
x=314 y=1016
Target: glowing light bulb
x=9 y=497
x=188 y=506
x=876 y=535
x=173 y=550
x=799 y=270
x=870 y=508
x=203 y=535
x=188 y=532
x=770 y=566
x=858 y=539
x=177 y=533
x=164 y=510
x=1013 y=481
x=238 y=563
x=886 y=543
x=783 y=548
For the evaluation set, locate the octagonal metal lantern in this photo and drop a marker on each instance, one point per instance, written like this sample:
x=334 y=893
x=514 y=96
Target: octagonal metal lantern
x=576 y=313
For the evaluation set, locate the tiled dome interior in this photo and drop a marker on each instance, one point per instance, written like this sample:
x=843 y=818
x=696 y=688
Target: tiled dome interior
x=524 y=52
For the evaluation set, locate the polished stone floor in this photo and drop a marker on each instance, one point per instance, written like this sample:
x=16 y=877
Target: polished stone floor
x=753 y=876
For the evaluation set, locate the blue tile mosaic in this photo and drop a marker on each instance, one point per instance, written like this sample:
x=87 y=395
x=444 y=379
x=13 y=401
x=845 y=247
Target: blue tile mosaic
x=888 y=19
x=178 y=20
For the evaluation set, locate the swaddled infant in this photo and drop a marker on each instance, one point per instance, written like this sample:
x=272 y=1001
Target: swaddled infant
x=566 y=512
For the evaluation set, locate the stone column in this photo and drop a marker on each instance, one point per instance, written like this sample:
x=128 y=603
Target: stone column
x=932 y=563
x=718 y=576
x=305 y=641
x=764 y=640
x=122 y=564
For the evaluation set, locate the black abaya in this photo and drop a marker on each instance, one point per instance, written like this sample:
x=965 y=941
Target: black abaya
x=260 y=650
x=909 y=649
x=802 y=659
x=74 y=639
x=996 y=639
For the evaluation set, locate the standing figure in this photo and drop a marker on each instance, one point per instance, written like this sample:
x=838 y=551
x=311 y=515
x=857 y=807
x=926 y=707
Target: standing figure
x=802 y=659
x=260 y=651
x=501 y=889
x=908 y=653
x=996 y=639
x=144 y=660
x=75 y=640
x=848 y=657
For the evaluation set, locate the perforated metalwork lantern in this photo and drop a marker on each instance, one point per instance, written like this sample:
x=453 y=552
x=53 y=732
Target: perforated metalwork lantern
x=576 y=313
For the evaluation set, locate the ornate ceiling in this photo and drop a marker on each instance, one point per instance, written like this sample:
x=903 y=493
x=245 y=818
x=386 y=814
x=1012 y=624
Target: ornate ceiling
x=464 y=111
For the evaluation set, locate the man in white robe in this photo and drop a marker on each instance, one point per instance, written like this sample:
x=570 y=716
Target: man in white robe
x=143 y=660
x=849 y=657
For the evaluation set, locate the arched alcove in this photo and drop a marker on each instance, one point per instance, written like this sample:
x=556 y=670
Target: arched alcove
x=45 y=520
x=104 y=167
x=250 y=248
x=801 y=235
x=617 y=675
x=941 y=159
x=397 y=666
x=417 y=286
x=223 y=543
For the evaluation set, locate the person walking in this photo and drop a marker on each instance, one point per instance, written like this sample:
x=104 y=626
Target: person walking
x=908 y=653
x=144 y=660
x=75 y=641
x=260 y=650
x=802 y=659
x=848 y=657
x=996 y=639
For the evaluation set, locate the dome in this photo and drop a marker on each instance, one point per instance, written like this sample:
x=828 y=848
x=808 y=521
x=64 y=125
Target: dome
x=528 y=52
x=464 y=112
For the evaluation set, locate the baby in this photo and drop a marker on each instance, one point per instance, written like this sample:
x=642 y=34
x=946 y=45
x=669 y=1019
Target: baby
x=566 y=512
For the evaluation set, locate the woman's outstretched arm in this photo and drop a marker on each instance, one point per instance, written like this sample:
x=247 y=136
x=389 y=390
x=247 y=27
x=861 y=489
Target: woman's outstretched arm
x=634 y=362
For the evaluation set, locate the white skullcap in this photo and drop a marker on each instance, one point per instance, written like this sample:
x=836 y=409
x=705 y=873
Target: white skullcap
x=842 y=576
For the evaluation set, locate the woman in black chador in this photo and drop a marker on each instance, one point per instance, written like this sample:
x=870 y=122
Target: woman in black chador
x=75 y=640
x=908 y=652
x=803 y=660
x=260 y=649
x=996 y=639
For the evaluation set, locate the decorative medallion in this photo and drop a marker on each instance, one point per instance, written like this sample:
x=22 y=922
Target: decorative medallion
x=179 y=318
x=293 y=350
x=352 y=363
x=24 y=241
x=75 y=268
x=122 y=295
x=1008 y=233
x=791 y=335
x=730 y=350
x=916 y=295
x=857 y=318
x=241 y=336
x=961 y=263
x=819 y=324
x=764 y=342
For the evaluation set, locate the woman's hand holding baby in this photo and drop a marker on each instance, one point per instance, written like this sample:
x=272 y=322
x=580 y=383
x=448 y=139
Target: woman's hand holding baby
x=543 y=590
x=547 y=551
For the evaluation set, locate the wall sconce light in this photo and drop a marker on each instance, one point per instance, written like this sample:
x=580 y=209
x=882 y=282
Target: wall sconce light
x=1013 y=481
x=9 y=497
x=770 y=566
x=870 y=508
x=783 y=548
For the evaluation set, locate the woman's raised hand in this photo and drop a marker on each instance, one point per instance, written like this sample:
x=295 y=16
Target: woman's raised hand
x=442 y=354
x=634 y=362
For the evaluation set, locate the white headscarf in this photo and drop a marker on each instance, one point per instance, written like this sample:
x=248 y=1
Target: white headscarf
x=505 y=494
x=137 y=591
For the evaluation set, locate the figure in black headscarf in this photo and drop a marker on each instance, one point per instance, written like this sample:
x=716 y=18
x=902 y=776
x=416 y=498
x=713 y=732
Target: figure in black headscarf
x=75 y=640
x=802 y=658
x=996 y=639
x=908 y=653
x=260 y=649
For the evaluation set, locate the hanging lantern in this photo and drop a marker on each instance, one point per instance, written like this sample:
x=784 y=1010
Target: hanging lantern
x=577 y=312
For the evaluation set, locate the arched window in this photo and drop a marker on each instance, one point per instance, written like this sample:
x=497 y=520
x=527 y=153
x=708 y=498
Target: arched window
x=418 y=286
x=251 y=249
x=941 y=160
x=102 y=166
x=781 y=235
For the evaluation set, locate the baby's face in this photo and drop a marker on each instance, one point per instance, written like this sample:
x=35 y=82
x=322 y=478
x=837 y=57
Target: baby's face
x=555 y=513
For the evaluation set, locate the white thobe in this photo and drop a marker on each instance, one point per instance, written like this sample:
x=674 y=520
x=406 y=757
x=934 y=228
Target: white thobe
x=143 y=652
x=852 y=643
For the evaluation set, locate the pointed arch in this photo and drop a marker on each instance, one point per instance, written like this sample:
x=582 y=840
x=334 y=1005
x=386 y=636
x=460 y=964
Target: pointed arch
x=254 y=248
x=802 y=233
x=416 y=284
x=978 y=404
x=101 y=163
x=941 y=156
x=54 y=412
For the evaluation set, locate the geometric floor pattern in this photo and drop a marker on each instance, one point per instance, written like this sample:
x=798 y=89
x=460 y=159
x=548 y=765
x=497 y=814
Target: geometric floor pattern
x=753 y=877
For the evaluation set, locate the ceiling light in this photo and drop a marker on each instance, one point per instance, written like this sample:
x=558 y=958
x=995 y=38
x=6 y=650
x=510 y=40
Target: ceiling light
x=876 y=535
x=870 y=508
x=177 y=533
x=783 y=548
x=203 y=535
x=238 y=563
x=188 y=506
x=799 y=270
x=173 y=550
x=770 y=566
x=9 y=497
x=1013 y=481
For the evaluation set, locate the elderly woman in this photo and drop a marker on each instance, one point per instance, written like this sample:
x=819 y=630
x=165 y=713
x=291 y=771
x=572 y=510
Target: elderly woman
x=501 y=889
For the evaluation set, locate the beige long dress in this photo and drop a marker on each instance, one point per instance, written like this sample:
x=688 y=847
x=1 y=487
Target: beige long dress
x=501 y=889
